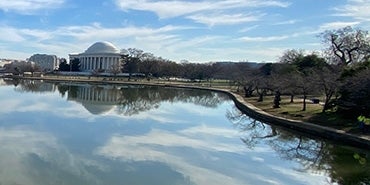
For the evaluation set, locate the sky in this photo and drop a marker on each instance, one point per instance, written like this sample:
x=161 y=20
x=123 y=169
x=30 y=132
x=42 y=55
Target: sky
x=192 y=30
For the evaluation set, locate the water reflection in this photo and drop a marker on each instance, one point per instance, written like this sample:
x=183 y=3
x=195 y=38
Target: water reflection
x=48 y=136
x=130 y=100
x=345 y=165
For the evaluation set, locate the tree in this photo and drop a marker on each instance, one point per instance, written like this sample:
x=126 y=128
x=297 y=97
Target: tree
x=354 y=97
x=291 y=56
x=130 y=64
x=327 y=79
x=283 y=78
x=115 y=69
x=149 y=65
x=310 y=61
x=304 y=73
x=136 y=53
x=21 y=67
x=75 y=64
x=63 y=65
x=34 y=68
x=347 y=45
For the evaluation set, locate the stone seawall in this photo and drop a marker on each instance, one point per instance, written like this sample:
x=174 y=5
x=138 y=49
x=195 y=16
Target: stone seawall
x=304 y=127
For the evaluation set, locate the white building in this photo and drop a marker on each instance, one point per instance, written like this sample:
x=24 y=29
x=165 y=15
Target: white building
x=46 y=62
x=101 y=56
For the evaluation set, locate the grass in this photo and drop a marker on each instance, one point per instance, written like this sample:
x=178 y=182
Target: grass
x=287 y=109
x=313 y=113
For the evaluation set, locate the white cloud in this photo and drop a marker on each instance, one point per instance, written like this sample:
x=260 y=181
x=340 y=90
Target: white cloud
x=96 y=32
x=29 y=6
x=246 y=29
x=336 y=25
x=357 y=9
x=286 y=22
x=224 y=19
x=84 y=32
x=264 y=39
x=74 y=39
x=167 y=9
x=10 y=34
x=164 y=9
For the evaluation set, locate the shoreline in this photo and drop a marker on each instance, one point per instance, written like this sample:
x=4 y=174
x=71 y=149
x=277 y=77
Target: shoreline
x=252 y=111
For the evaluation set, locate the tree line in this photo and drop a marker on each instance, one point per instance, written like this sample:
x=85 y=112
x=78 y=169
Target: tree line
x=339 y=73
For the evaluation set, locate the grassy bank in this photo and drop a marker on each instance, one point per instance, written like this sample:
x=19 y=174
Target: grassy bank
x=313 y=113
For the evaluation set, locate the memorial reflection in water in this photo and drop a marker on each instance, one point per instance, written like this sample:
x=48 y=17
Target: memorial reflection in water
x=155 y=135
x=96 y=99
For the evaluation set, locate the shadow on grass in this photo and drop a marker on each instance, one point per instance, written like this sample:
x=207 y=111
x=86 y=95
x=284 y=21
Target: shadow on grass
x=334 y=120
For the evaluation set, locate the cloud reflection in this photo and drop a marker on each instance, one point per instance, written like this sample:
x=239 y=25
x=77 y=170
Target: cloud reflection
x=199 y=153
x=164 y=147
x=26 y=155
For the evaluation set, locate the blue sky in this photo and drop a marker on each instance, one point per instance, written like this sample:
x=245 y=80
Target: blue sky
x=197 y=31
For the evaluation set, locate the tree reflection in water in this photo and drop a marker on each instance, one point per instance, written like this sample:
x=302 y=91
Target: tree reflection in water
x=345 y=165
x=136 y=99
x=133 y=99
x=129 y=99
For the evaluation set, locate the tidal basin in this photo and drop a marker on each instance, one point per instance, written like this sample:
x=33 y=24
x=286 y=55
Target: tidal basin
x=79 y=133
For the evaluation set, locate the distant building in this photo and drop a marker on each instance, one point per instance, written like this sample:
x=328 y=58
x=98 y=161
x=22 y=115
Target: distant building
x=46 y=62
x=100 y=56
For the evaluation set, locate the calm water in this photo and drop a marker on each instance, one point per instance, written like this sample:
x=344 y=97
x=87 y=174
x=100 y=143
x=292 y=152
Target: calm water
x=94 y=134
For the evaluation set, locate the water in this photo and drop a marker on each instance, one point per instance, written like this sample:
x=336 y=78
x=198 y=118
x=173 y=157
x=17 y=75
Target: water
x=61 y=133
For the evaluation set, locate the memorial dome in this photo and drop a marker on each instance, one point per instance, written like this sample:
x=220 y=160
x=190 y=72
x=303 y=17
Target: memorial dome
x=102 y=47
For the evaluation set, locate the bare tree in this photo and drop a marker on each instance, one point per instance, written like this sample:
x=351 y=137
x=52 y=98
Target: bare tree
x=115 y=69
x=327 y=79
x=291 y=56
x=347 y=45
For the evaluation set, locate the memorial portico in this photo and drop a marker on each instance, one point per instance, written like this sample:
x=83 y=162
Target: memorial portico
x=101 y=56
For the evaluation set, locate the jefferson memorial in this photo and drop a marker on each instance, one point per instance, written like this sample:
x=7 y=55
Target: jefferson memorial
x=102 y=56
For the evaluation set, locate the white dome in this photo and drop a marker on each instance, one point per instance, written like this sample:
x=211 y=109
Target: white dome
x=102 y=47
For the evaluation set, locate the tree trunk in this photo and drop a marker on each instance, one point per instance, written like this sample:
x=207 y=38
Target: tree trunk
x=327 y=101
x=260 y=99
x=260 y=94
x=304 y=103
x=248 y=91
x=325 y=107
x=292 y=98
x=277 y=100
